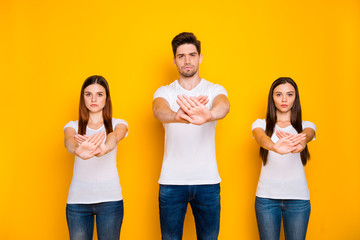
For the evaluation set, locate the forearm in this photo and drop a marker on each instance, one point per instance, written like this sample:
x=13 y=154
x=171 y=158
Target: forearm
x=310 y=134
x=265 y=142
x=71 y=145
x=115 y=137
x=262 y=139
x=165 y=115
x=163 y=112
x=220 y=108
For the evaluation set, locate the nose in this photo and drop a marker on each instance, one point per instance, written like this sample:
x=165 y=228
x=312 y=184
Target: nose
x=284 y=98
x=93 y=98
x=187 y=59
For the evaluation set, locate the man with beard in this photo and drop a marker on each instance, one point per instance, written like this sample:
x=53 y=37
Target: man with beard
x=189 y=108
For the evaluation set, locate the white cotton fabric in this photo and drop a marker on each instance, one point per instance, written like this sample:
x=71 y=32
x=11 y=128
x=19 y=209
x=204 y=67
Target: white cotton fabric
x=283 y=176
x=96 y=179
x=189 y=153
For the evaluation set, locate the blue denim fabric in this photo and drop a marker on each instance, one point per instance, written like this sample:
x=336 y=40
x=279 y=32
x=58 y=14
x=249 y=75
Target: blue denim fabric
x=270 y=212
x=205 y=203
x=109 y=216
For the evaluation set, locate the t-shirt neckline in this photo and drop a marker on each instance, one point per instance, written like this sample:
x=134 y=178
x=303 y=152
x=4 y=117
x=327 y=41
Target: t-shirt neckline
x=197 y=86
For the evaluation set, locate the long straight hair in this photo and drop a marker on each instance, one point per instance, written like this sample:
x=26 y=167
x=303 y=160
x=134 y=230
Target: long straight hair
x=296 y=120
x=84 y=112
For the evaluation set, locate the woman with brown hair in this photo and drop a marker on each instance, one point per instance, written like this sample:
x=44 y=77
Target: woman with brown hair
x=95 y=187
x=282 y=193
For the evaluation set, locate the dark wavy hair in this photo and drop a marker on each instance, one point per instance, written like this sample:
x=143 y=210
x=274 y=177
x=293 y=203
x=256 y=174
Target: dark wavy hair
x=296 y=120
x=84 y=112
x=185 y=38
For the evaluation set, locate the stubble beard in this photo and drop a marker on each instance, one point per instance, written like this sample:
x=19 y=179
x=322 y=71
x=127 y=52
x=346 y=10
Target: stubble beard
x=188 y=74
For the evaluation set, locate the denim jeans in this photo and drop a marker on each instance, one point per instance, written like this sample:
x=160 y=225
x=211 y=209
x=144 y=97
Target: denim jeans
x=109 y=216
x=205 y=203
x=270 y=212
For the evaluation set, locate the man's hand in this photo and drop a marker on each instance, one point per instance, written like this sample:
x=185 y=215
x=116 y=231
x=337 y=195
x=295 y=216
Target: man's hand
x=194 y=108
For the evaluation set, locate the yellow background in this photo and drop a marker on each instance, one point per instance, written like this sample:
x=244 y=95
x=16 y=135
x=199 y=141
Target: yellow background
x=48 y=48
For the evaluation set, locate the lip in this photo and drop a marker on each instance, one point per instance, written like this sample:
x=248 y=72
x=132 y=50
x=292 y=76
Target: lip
x=188 y=67
x=93 y=105
x=284 y=105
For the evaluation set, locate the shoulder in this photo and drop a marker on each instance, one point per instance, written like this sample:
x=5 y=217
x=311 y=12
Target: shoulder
x=165 y=91
x=116 y=121
x=215 y=88
x=72 y=124
x=308 y=124
x=259 y=123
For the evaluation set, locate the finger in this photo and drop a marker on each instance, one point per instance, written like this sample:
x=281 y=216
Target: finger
x=197 y=103
x=190 y=100
x=184 y=101
x=298 y=139
x=182 y=106
x=202 y=99
x=97 y=138
x=79 y=140
x=294 y=137
x=81 y=136
x=90 y=138
x=186 y=117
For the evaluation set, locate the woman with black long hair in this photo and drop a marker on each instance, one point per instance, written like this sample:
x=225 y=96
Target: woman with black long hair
x=95 y=187
x=282 y=192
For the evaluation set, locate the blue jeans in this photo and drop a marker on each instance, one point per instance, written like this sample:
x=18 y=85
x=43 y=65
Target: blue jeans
x=109 y=216
x=270 y=212
x=205 y=203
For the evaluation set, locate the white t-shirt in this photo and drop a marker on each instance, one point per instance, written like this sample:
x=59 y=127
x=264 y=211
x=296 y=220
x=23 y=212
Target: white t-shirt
x=283 y=176
x=189 y=153
x=96 y=179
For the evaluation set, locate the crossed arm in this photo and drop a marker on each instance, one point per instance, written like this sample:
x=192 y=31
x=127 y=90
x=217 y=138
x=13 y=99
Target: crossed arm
x=288 y=143
x=87 y=147
x=192 y=109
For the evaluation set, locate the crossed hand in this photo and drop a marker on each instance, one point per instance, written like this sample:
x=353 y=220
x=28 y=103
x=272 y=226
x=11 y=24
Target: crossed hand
x=289 y=143
x=91 y=146
x=193 y=109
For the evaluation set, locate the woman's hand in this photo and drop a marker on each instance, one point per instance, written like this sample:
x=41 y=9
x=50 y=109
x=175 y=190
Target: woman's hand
x=289 y=143
x=90 y=147
x=299 y=147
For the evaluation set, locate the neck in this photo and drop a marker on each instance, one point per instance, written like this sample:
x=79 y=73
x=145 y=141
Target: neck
x=95 y=118
x=283 y=116
x=189 y=83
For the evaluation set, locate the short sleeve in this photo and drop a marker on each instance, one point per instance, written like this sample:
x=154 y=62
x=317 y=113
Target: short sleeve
x=72 y=124
x=219 y=90
x=161 y=92
x=116 y=121
x=259 y=123
x=307 y=124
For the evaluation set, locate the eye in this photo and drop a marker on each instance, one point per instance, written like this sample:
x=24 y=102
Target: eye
x=278 y=94
x=100 y=94
x=290 y=94
x=87 y=94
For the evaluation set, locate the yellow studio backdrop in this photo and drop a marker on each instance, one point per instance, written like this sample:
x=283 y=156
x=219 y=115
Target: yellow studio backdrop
x=48 y=48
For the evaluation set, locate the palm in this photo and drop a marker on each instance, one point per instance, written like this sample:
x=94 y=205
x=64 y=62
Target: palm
x=199 y=115
x=283 y=146
x=86 y=150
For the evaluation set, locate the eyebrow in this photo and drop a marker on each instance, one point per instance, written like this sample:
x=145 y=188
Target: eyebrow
x=91 y=92
x=286 y=92
x=179 y=54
